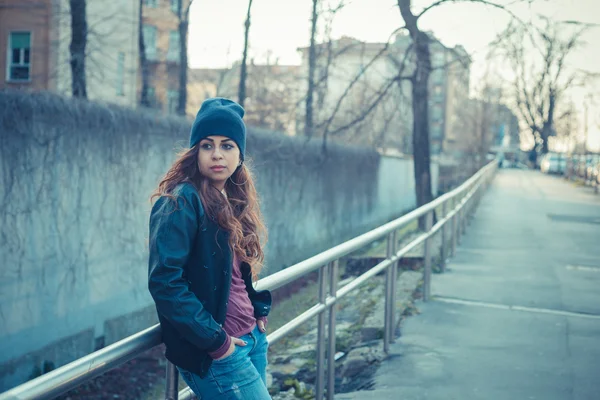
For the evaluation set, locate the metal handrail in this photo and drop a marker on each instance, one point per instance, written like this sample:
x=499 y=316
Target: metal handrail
x=75 y=373
x=335 y=253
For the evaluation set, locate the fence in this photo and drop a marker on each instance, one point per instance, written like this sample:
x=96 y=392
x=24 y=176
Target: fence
x=452 y=209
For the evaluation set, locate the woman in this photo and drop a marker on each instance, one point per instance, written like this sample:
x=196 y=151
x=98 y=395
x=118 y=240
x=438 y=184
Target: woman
x=205 y=252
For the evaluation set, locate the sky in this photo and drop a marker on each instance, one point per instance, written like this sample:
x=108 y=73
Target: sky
x=280 y=27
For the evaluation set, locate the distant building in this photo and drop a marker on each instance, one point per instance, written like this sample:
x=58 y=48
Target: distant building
x=506 y=129
x=345 y=89
x=272 y=91
x=389 y=123
x=486 y=125
x=111 y=51
x=35 y=36
x=160 y=27
x=25 y=43
x=448 y=89
x=207 y=82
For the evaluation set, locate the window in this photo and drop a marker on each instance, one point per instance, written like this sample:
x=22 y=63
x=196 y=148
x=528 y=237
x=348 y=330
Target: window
x=172 y=101
x=436 y=131
x=149 y=33
x=19 y=55
x=175 y=6
x=439 y=59
x=437 y=76
x=436 y=113
x=120 y=81
x=437 y=95
x=151 y=97
x=173 y=52
x=151 y=3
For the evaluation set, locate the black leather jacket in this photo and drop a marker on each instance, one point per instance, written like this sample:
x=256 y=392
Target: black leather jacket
x=189 y=276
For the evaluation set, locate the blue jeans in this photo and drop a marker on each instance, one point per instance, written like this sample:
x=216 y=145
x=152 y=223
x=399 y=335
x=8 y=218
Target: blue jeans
x=241 y=375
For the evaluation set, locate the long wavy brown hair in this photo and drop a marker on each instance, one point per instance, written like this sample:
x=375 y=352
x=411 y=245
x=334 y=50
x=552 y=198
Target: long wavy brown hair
x=238 y=214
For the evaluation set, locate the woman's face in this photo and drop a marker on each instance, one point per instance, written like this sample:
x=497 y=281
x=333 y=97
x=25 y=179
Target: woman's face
x=218 y=158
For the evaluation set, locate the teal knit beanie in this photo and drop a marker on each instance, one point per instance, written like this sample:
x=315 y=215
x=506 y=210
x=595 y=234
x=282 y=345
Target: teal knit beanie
x=220 y=117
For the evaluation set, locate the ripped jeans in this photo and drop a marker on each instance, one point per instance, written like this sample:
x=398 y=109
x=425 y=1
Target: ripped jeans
x=241 y=375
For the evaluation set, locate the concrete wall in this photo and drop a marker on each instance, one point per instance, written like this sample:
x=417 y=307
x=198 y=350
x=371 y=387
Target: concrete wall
x=75 y=180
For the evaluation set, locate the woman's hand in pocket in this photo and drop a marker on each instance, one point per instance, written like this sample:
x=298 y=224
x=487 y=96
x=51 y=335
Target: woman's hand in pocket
x=234 y=342
x=262 y=324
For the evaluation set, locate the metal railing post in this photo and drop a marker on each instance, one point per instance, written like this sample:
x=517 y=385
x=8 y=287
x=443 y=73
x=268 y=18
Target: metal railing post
x=444 y=251
x=388 y=299
x=172 y=378
x=461 y=223
x=333 y=277
x=427 y=258
x=465 y=217
x=319 y=385
x=453 y=227
x=469 y=209
x=394 y=279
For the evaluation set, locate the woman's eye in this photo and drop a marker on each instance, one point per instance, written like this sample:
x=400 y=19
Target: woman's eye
x=206 y=146
x=228 y=146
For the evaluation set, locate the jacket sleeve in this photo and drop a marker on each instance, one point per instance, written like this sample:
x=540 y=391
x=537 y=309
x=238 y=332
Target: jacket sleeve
x=173 y=228
x=261 y=300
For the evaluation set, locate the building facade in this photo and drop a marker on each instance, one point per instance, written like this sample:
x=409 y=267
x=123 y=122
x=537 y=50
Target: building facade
x=364 y=84
x=272 y=91
x=448 y=89
x=355 y=99
x=25 y=43
x=111 y=50
x=35 y=36
x=160 y=28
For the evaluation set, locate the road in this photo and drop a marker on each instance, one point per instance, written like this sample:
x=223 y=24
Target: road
x=517 y=315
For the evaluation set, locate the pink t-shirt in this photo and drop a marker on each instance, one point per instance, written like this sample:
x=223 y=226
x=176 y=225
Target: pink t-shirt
x=239 y=320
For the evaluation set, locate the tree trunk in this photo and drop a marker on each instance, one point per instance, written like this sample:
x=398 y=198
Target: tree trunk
x=546 y=129
x=548 y=123
x=144 y=101
x=421 y=153
x=79 y=32
x=243 y=71
x=312 y=60
x=183 y=66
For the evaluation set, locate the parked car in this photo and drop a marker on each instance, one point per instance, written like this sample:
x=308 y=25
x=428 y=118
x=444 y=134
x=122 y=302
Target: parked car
x=595 y=177
x=592 y=167
x=553 y=163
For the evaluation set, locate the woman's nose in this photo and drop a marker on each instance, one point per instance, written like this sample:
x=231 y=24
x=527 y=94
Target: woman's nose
x=217 y=154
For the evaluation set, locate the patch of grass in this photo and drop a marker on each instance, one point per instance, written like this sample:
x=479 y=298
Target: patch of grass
x=287 y=309
x=306 y=394
x=379 y=249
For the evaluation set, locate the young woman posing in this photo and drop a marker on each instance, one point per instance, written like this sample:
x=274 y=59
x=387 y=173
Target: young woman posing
x=205 y=252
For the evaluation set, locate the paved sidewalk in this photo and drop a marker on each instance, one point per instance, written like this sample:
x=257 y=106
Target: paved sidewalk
x=517 y=315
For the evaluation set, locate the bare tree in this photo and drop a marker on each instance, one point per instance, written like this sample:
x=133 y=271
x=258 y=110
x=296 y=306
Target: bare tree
x=539 y=86
x=312 y=58
x=183 y=15
x=420 y=93
x=243 y=70
x=369 y=104
x=79 y=31
x=420 y=101
x=272 y=88
x=144 y=100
